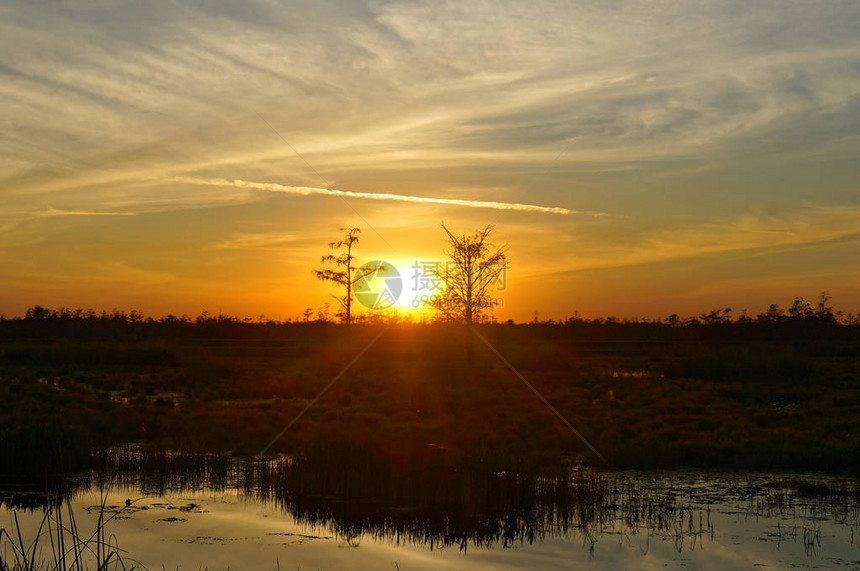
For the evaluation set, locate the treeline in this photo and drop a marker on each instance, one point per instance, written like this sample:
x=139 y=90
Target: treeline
x=800 y=311
x=43 y=322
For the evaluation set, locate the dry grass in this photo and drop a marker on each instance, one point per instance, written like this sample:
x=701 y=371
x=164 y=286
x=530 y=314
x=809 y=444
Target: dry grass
x=644 y=395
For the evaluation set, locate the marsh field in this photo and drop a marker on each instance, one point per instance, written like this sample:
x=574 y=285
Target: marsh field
x=429 y=442
x=759 y=395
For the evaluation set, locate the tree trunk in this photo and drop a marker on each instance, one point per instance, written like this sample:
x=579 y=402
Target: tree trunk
x=348 y=285
x=468 y=300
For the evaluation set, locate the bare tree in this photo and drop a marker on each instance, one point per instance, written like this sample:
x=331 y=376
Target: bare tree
x=307 y=314
x=344 y=275
x=475 y=266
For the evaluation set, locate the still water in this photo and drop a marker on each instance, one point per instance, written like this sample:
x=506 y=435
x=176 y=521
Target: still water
x=291 y=515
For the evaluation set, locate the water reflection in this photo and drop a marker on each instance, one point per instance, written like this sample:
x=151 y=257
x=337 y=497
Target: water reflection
x=355 y=495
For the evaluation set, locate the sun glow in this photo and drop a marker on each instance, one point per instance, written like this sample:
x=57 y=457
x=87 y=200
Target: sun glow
x=420 y=285
x=406 y=287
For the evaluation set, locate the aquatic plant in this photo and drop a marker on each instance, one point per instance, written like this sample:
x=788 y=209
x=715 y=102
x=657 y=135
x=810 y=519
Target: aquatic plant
x=60 y=545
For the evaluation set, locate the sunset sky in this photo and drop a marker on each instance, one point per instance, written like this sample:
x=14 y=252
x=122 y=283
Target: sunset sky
x=674 y=156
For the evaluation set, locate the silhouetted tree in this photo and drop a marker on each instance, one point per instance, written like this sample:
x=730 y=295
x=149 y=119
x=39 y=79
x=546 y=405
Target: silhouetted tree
x=39 y=312
x=345 y=275
x=745 y=318
x=717 y=317
x=825 y=310
x=475 y=266
x=323 y=313
x=773 y=314
x=801 y=309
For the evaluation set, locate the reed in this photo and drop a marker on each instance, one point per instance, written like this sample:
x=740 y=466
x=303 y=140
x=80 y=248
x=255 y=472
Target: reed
x=60 y=545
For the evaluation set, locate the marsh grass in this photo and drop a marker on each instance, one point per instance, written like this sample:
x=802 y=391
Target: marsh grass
x=731 y=396
x=489 y=499
x=60 y=545
x=481 y=501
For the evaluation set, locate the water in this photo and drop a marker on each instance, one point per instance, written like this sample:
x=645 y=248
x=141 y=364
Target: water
x=310 y=514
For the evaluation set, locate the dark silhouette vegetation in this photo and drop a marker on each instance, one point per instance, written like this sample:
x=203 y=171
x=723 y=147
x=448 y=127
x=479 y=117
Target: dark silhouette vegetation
x=776 y=390
x=475 y=267
x=344 y=276
x=477 y=501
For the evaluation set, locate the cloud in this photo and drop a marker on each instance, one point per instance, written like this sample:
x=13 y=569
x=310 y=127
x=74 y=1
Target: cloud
x=681 y=115
x=275 y=241
x=798 y=228
x=631 y=82
x=57 y=212
x=306 y=191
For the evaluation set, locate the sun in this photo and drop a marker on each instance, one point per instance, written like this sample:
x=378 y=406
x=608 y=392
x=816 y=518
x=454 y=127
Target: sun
x=406 y=286
x=420 y=285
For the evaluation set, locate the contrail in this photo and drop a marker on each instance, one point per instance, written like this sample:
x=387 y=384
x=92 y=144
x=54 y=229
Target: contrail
x=56 y=212
x=308 y=190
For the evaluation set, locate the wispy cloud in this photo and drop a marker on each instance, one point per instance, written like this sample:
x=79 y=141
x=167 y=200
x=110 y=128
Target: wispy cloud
x=57 y=212
x=309 y=190
x=16 y=219
x=277 y=241
x=685 y=114
x=808 y=225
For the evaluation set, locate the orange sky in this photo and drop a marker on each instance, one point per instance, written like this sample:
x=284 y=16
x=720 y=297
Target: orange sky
x=639 y=160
